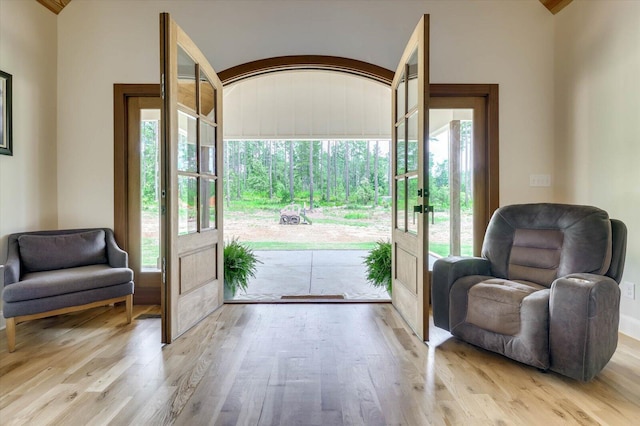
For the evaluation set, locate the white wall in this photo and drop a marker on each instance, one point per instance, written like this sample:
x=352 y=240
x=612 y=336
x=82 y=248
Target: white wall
x=598 y=113
x=307 y=104
x=105 y=42
x=28 y=178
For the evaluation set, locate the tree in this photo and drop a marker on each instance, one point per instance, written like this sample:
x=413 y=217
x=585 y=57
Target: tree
x=291 y=171
x=328 y=170
x=346 y=171
x=270 y=170
x=150 y=159
x=367 y=171
x=311 y=175
x=376 y=153
x=286 y=170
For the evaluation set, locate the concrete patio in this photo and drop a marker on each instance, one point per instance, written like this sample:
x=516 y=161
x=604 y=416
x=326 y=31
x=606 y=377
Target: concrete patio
x=311 y=272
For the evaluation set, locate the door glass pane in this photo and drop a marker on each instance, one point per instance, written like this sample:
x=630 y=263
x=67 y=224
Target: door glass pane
x=208 y=203
x=187 y=205
x=186 y=80
x=466 y=185
x=187 y=143
x=401 y=148
x=412 y=81
x=450 y=181
x=401 y=197
x=400 y=98
x=414 y=201
x=207 y=148
x=150 y=188
x=412 y=142
x=207 y=98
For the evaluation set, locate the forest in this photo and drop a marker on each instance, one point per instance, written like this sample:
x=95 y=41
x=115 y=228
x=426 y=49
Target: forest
x=316 y=173
x=343 y=183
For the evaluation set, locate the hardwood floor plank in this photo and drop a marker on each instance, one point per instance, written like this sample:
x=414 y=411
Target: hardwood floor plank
x=290 y=364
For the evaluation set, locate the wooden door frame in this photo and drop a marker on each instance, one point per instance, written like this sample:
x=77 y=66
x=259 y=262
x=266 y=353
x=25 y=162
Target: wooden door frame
x=121 y=95
x=490 y=170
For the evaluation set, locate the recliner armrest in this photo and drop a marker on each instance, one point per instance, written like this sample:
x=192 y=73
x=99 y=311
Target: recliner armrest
x=447 y=271
x=584 y=312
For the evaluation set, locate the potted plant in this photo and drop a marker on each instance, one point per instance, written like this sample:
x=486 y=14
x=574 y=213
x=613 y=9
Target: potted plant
x=378 y=264
x=240 y=263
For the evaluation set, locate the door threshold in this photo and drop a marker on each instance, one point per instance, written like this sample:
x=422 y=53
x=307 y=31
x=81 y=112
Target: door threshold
x=303 y=299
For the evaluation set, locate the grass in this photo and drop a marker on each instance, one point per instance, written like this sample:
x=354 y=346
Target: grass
x=357 y=216
x=150 y=252
x=339 y=221
x=442 y=249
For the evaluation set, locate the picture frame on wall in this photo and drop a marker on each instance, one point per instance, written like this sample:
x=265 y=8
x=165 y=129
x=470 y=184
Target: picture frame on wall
x=6 y=142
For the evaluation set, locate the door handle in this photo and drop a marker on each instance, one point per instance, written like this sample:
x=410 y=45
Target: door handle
x=431 y=210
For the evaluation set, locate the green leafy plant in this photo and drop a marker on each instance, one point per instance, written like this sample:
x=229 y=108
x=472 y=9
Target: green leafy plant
x=378 y=264
x=240 y=263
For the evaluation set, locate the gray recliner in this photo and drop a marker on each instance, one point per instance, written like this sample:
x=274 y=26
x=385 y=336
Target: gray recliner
x=545 y=291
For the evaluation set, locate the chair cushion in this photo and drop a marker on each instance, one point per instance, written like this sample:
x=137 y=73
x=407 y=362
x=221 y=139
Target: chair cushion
x=38 y=285
x=541 y=242
x=50 y=252
x=494 y=305
x=535 y=255
x=530 y=344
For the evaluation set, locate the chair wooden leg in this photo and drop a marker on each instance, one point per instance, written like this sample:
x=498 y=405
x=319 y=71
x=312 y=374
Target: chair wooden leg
x=129 y=307
x=11 y=334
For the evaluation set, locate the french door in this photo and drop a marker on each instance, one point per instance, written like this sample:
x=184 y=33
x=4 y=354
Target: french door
x=191 y=191
x=410 y=189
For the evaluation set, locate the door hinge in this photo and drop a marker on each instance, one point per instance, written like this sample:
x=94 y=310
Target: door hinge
x=162 y=86
x=164 y=270
x=418 y=209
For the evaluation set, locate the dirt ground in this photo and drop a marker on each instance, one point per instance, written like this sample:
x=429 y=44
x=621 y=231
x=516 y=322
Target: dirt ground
x=265 y=226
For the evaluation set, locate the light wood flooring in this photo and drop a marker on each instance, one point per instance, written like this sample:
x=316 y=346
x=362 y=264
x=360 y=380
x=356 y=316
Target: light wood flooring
x=293 y=364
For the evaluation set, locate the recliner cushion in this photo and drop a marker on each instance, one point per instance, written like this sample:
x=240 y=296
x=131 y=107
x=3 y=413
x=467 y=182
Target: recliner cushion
x=580 y=234
x=494 y=305
x=37 y=285
x=529 y=345
x=51 y=252
x=535 y=255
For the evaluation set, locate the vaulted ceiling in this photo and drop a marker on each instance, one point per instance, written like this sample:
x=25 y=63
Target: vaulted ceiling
x=56 y=6
x=555 y=6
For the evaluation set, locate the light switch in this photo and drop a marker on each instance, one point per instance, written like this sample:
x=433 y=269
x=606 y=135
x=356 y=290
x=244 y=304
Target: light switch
x=539 y=180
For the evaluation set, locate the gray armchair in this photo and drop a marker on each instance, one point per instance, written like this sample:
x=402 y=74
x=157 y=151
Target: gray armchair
x=56 y=272
x=545 y=291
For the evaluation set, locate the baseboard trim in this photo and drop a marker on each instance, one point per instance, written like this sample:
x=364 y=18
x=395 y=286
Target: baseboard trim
x=629 y=326
x=146 y=296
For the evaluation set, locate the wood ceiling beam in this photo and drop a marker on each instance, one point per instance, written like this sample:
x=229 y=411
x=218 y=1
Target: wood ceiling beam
x=55 y=6
x=555 y=6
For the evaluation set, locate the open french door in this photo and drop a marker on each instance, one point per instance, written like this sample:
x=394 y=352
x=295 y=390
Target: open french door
x=191 y=191
x=410 y=189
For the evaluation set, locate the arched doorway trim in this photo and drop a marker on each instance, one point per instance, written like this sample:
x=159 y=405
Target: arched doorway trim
x=306 y=62
x=488 y=166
